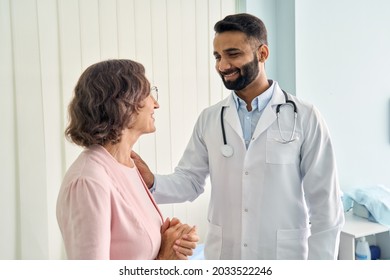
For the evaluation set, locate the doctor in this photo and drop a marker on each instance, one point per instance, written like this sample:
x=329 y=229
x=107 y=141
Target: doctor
x=275 y=192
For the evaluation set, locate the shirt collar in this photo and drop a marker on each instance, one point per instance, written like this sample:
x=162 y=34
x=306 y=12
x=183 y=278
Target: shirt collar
x=259 y=102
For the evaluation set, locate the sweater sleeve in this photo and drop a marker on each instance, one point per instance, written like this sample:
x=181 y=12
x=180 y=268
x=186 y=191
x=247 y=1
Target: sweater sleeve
x=83 y=214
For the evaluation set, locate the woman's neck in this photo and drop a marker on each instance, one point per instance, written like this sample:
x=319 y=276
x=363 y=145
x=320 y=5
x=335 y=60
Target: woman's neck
x=121 y=151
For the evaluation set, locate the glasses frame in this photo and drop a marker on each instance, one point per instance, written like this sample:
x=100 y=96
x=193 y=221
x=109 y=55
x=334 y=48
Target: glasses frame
x=154 y=92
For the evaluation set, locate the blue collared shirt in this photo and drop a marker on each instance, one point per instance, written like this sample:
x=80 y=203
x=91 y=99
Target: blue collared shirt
x=250 y=119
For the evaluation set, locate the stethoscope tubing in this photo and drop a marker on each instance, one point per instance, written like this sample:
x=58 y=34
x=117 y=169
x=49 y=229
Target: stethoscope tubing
x=290 y=103
x=227 y=150
x=223 y=126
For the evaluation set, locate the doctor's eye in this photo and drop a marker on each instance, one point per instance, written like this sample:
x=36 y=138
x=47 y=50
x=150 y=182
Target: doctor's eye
x=234 y=54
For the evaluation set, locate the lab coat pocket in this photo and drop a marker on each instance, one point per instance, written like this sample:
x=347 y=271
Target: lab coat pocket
x=213 y=246
x=292 y=244
x=279 y=153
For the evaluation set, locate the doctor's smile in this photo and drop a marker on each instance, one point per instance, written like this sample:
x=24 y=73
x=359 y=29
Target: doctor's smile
x=230 y=75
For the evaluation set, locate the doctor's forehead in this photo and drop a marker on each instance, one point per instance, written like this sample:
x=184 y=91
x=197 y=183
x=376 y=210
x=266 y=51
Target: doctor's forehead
x=231 y=40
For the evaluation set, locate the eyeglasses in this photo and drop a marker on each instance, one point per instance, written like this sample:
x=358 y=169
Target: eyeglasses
x=154 y=92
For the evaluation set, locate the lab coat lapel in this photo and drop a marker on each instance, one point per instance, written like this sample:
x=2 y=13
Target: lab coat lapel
x=231 y=116
x=269 y=115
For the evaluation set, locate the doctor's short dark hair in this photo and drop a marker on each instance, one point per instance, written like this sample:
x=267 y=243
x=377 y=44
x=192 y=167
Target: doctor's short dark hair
x=106 y=100
x=252 y=26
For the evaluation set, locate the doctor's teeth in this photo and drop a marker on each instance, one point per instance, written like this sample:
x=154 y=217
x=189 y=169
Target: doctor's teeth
x=231 y=74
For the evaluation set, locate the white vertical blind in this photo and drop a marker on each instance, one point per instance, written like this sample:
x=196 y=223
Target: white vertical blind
x=45 y=46
x=52 y=118
x=30 y=131
x=9 y=190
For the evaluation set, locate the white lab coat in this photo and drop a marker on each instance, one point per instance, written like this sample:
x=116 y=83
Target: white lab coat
x=270 y=201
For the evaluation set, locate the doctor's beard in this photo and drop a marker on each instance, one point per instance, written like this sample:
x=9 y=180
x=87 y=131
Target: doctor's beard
x=247 y=74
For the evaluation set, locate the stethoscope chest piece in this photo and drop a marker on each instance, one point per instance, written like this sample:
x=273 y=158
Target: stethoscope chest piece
x=227 y=150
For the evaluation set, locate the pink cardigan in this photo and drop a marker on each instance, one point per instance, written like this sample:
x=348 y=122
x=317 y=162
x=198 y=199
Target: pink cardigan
x=105 y=211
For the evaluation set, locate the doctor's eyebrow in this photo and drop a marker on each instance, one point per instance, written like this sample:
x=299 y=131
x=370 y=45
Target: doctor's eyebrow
x=229 y=50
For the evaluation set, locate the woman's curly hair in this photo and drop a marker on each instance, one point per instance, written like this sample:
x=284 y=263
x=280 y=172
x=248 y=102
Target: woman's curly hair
x=106 y=100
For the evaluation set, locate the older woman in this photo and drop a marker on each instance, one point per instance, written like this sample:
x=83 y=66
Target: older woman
x=104 y=209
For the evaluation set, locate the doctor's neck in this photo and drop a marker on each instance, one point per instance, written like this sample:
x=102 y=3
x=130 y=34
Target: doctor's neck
x=251 y=91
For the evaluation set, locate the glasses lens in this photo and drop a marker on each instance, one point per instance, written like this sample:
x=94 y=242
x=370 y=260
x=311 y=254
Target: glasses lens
x=154 y=92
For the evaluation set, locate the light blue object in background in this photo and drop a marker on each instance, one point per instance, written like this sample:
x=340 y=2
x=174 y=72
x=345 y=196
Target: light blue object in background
x=198 y=253
x=347 y=202
x=375 y=198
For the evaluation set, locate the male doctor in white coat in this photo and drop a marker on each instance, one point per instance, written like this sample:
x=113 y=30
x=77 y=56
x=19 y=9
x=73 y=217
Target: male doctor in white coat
x=275 y=192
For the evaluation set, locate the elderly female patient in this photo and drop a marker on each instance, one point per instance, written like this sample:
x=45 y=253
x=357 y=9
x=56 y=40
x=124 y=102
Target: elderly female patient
x=104 y=209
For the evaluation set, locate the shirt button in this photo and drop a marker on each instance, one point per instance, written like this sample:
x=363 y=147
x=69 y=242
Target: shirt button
x=245 y=245
x=246 y=172
x=246 y=209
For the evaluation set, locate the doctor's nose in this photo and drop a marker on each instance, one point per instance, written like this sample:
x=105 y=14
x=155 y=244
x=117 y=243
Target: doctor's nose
x=223 y=65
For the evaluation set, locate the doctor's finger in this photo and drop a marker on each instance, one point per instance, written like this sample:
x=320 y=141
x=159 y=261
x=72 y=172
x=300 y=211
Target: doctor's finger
x=134 y=155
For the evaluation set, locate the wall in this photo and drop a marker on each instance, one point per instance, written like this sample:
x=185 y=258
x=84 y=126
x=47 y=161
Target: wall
x=342 y=66
x=46 y=44
x=279 y=19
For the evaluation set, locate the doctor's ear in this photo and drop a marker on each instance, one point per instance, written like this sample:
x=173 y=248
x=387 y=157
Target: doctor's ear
x=263 y=53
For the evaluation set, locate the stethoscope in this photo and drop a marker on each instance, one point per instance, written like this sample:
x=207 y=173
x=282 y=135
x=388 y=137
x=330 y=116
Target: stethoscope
x=227 y=150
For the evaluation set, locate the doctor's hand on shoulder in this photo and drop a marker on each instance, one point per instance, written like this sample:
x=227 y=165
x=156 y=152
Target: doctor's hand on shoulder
x=177 y=240
x=143 y=168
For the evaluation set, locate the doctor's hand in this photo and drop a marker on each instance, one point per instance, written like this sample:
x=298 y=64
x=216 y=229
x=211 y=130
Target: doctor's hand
x=177 y=240
x=143 y=168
